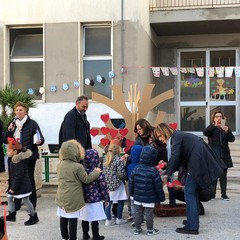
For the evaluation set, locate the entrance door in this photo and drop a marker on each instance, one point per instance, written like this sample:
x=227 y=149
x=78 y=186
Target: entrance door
x=207 y=85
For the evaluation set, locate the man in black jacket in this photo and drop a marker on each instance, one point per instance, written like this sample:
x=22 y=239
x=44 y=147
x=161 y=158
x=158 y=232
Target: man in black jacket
x=75 y=124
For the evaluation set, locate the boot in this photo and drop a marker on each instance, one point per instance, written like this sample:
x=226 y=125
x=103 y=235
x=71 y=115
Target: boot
x=11 y=217
x=95 y=231
x=98 y=237
x=32 y=220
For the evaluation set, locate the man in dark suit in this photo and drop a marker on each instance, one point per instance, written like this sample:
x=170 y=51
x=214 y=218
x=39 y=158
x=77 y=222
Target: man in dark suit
x=75 y=124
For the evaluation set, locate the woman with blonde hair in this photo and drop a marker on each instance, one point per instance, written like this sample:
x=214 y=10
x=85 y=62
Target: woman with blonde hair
x=115 y=174
x=203 y=168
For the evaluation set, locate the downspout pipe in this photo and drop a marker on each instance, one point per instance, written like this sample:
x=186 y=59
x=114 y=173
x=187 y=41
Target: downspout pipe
x=122 y=43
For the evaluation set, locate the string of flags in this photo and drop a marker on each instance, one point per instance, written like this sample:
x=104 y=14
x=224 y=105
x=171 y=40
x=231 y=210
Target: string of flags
x=199 y=71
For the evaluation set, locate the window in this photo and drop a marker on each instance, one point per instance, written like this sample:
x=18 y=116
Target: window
x=26 y=60
x=97 y=59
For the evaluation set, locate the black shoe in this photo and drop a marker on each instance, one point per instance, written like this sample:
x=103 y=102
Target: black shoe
x=184 y=222
x=225 y=198
x=32 y=220
x=86 y=237
x=11 y=217
x=98 y=238
x=185 y=230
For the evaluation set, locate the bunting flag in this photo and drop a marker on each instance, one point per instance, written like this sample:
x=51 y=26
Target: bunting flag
x=165 y=71
x=200 y=71
x=191 y=70
x=228 y=71
x=220 y=71
x=174 y=70
x=183 y=70
x=156 y=71
x=210 y=71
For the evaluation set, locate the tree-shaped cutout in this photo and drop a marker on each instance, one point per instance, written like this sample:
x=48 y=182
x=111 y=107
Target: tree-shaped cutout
x=139 y=108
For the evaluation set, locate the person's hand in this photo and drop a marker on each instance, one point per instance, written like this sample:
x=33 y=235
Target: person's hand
x=38 y=142
x=11 y=191
x=124 y=157
x=11 y=127
x=178 y=187
x=106 y=204
x=225 y=128
x=99 y=170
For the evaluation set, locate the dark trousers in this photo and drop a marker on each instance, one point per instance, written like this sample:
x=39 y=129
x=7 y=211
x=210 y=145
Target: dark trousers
x=68 y=227
x=223 y=183
x=95 y=228
x=33 y=197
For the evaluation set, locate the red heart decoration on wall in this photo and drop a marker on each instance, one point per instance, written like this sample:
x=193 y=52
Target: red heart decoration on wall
x=104 y=141
x=123 y=131
x=173 y=125
x=105 y=130
x=94 y=132
x=113 y=133
x=129 y=143
x=105 y=117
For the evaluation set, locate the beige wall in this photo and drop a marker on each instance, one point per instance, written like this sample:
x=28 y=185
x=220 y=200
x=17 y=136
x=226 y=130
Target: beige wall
x=1 y=58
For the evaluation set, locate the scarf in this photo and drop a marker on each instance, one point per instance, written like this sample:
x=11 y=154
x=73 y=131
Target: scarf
x=19 y=125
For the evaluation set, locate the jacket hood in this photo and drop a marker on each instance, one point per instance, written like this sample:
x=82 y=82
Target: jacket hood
x=91 y=158
x=21 y=156
x=135 y=153
x=70 y=151
x=148 y=156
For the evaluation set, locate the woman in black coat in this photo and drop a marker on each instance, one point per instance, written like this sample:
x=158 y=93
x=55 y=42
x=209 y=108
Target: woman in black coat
x=203 y=168
x=27 y=132
x=219 y=135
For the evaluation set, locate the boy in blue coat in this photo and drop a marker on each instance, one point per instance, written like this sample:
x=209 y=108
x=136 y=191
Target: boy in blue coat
x=145 y=187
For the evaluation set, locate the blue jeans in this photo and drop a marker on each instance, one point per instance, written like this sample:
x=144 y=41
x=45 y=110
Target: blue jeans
x=192 y=203
x=119 y=210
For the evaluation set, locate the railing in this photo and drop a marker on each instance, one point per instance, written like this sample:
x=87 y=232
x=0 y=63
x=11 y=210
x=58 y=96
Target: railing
x=160 y=5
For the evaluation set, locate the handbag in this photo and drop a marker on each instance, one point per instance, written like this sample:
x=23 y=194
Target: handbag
x=206 y=194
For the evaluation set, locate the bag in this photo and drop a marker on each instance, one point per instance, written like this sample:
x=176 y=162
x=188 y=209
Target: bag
x=3 y=226
x=206 y=194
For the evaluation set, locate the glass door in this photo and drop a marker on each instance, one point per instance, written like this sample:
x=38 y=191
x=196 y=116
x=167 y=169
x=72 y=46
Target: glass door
x=207 y=84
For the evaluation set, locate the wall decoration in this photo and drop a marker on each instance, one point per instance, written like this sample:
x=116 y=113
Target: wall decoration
x=76 y=84
x=65 y=86
x=30 y=91
x=222 y=92
x=90 y=82
x=53 y=88
x=137 y=109
x=111 y=74
x=156 y=71
x=41 y=90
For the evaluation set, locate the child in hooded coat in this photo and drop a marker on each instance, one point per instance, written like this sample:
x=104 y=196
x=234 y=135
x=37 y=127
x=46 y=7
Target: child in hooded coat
x=95 y=194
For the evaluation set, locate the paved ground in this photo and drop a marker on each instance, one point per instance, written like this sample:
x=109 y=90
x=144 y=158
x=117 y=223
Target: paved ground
x=221 y=221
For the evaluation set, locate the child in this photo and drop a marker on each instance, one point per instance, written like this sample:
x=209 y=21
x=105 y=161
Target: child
x=135 y=157
x=114 y=171
x=94 y=194
x=145 y=186
x=20 y=186
x=71 y=175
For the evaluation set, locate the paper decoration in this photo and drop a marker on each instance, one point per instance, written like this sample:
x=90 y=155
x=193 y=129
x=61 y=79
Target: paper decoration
x=113 y=133
x=89 y=82
x=200 y=71
x=174 y=70
x=105 y=130
x=219 y=71
x=41 y=90
x=111 y=74
x=105 y=117
x=156 y=71
x=237 y=71
x=65 y=87
x=160 y=166
x=76 y=84
x=94 y=132
x=228 y=71
x=173 y=125
x=210 y=71
x=183 y=70
x=53 y=88
x=99 y=78
x=30 y=91
x=104 y=141
x=165 y=71
x=123 y=131
x=191 y=70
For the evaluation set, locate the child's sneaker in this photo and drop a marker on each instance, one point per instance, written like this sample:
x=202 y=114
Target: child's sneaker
x=137 y=231
x=109 y=223
x=120 y=221
x=152 y=232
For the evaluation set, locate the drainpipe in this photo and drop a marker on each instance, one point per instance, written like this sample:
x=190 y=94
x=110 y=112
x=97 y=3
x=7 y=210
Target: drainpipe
x=122 y=43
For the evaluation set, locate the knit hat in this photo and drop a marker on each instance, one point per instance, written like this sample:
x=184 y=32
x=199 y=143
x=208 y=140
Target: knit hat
x=13 y=144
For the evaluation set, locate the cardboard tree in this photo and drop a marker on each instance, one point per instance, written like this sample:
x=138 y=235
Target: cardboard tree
x=139 y=108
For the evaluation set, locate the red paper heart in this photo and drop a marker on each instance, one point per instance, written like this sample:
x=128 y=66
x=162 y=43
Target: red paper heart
x=104 y=141
x=105 y=117
x=123 y=131
x=129 y=143
x=113 y=133
x=160 y=166
x=94 y=132
x=105 y=130
x=173 y=125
